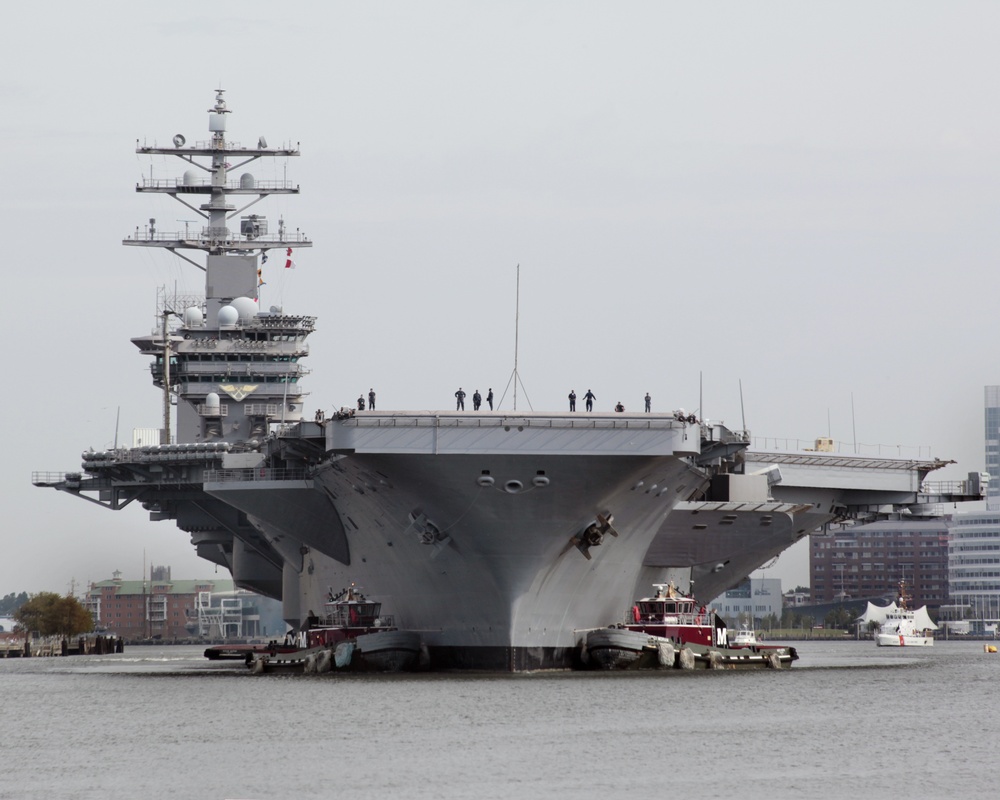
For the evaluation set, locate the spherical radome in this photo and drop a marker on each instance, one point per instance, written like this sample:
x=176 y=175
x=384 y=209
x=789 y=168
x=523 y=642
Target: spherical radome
x=228 y=315
x=246 y=307
x=193 y=317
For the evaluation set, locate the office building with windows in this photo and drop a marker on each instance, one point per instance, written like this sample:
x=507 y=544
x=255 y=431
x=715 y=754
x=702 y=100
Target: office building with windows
x=869 y=561
x=750 y=601
x=974 y=565
x=992 y=439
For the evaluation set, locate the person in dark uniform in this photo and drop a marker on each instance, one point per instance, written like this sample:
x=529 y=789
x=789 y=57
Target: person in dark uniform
x=619 y=407
x=489 y=398
x=572 y=399
x=590 y=397
x=361 y=402
x=460 y=400
x=371 y=399
x=477 y=400
x=649 y=401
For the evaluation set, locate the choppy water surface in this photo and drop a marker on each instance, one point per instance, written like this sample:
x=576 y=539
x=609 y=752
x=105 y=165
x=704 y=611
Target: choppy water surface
x=849 y=720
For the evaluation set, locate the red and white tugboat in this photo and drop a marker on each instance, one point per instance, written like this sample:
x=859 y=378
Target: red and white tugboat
x=353 y=634
x=671 y=630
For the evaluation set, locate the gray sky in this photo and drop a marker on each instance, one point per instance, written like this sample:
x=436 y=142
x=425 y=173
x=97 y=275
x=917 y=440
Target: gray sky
x=798 y=196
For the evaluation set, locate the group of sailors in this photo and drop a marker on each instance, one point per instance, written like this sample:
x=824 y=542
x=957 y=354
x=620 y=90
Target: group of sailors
x=590 y=397
x=477 y=401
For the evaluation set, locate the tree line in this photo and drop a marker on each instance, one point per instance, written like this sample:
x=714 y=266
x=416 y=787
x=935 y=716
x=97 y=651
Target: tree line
x=11 y=602
x=51 y=614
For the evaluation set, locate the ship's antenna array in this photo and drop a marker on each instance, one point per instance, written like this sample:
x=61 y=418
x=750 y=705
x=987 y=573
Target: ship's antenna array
x=515 y=378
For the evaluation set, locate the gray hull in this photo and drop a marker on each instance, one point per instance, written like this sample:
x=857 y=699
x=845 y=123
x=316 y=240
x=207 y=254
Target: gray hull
x=490 y=579
x=466 y=527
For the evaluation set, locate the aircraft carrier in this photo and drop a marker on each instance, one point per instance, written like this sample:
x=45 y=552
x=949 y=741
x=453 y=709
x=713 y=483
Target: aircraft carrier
x=500 y=536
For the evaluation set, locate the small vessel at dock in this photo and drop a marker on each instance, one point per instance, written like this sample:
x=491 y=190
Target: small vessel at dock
x=670 y=630
x=246 y=652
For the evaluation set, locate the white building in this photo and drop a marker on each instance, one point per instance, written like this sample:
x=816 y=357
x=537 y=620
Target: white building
x=974 y=565
x=754 y=599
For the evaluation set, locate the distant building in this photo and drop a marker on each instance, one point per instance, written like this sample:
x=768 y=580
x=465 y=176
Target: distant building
x=6 y=624
x=974 y=565
x=753 y=599
x=868 y=561
x=794 y=599
x=992 y=438
x=167 y=609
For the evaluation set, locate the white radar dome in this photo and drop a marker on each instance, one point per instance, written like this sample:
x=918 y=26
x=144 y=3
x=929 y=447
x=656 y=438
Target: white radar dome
x=190 y=178
x=212 y=400
x=193 y=317
x=246 y=307
x=228 y=316
x=247 y=181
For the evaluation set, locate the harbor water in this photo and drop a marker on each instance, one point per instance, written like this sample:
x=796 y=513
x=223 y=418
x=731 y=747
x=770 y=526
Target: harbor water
x=848 y=720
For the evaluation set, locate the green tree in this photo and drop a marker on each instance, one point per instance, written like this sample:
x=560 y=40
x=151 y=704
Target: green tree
x=839 y=618
x=53 y=615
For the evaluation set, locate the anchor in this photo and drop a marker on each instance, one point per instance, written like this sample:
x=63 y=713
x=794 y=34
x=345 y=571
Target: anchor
x=594 y=533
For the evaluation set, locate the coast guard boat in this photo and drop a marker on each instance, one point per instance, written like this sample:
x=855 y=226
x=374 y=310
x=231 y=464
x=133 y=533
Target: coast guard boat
x=497 y=536
x=903 y=626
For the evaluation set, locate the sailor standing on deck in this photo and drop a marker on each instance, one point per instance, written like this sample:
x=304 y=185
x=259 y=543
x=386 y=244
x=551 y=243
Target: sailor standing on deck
x=460 y=400
x=361 y=402
x=477 y=400
x=371 y=399
x=590 y=397
x=572 y=399
x=649 y=400
x=489 y=398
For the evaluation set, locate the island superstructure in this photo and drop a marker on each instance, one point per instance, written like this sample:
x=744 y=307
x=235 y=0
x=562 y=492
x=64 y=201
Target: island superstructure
x=500 y=536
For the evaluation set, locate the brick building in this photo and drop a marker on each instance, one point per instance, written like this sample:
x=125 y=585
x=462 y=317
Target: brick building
x=162 y=608
x=868 y=561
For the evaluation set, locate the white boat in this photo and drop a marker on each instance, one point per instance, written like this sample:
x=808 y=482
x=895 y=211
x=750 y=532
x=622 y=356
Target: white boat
x=745 y=637
x=902 y=627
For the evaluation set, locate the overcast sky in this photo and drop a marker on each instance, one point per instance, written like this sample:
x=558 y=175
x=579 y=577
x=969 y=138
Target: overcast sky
x=801 y=197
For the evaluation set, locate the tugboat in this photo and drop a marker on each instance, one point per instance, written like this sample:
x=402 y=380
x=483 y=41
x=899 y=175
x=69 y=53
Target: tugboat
x=352 y=635
x=670 y=630
x=363 y=636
